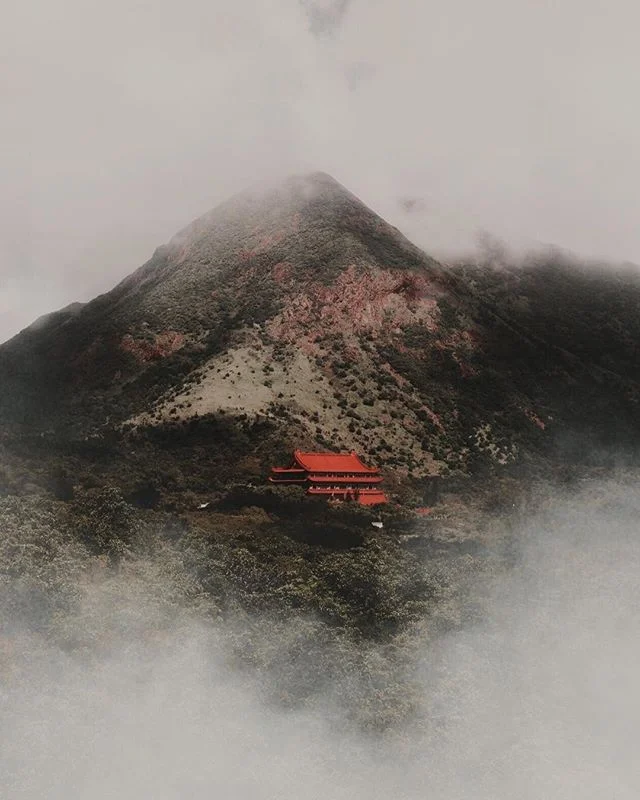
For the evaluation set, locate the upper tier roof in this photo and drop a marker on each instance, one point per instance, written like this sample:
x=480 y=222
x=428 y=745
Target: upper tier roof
x=331 y=462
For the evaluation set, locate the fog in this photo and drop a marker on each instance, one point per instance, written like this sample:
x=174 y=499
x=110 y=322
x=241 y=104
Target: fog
x=123 y=121
x=538 y=697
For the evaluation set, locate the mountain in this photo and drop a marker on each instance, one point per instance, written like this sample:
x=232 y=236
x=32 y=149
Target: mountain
x=567 y=331
x=133 y=427
x=295 y=315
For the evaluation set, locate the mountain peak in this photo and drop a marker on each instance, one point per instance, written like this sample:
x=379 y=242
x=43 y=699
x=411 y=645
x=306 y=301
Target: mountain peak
x=264 y=208
x=296 y=307
x=294 y=260
x=307 y=226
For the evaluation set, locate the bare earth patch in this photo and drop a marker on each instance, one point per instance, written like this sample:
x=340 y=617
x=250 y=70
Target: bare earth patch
x=251 y=378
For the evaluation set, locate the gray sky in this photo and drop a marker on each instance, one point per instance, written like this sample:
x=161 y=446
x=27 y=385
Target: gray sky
x=124 y=120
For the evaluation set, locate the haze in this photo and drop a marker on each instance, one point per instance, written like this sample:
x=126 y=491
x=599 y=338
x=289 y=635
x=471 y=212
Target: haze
x=537 y=700
x=123 y=121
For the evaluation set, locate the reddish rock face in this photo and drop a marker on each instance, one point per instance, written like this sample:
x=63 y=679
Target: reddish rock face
x=282 y=272
x=162 y=345
x=360 y=301
x=372 y=344
x=531 y=415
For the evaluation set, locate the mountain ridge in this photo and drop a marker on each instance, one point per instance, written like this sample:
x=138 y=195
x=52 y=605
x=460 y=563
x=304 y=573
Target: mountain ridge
x=299 y=306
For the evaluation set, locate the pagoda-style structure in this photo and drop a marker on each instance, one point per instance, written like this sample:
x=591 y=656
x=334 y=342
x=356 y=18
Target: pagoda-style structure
x=340 y=476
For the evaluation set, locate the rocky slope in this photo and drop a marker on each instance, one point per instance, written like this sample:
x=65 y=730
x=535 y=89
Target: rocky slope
x=296 y=315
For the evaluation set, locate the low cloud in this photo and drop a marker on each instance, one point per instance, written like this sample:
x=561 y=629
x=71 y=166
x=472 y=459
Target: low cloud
x=536 y=698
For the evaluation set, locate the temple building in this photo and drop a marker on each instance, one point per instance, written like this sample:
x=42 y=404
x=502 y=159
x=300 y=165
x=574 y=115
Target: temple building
x=340 y=476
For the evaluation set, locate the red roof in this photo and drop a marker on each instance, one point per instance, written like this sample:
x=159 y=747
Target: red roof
x=331 y=462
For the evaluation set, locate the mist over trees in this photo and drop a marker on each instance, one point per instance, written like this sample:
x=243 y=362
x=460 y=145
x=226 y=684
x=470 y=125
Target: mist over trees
x=160 y=656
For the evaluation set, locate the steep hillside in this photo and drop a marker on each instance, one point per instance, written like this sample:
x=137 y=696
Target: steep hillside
x=568 y=333
x=299 y=312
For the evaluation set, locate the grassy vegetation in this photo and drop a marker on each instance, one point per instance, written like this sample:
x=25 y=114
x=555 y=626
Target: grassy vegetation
x=344 y=598
x=509 y=374
x=287 y=581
